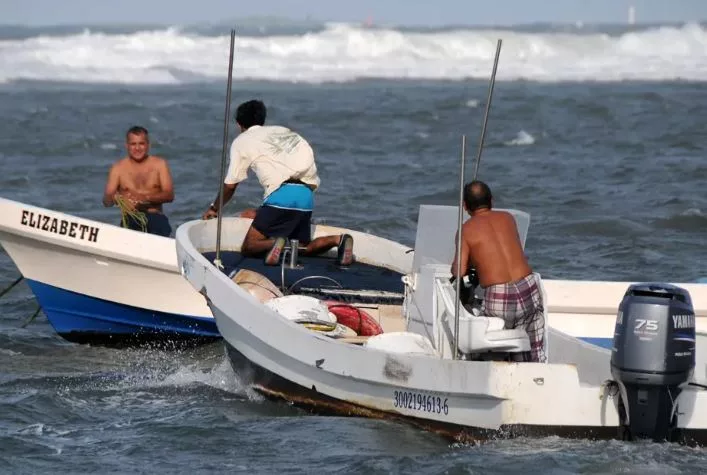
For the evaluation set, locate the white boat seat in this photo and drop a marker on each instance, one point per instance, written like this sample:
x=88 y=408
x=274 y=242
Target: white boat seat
x=478 y=333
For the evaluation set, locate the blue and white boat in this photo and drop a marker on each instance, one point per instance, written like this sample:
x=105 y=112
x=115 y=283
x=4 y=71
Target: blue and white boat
x=101 y=284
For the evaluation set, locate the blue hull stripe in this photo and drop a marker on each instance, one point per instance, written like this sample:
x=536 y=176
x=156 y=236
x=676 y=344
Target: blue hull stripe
x=603 y=342
x=71 y=312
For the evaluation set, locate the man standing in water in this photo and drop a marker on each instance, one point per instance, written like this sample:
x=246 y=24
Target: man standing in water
x=283 y=162
x=140 y=183
x=490 y=244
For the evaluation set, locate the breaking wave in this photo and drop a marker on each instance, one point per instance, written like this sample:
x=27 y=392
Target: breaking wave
x=345 y=52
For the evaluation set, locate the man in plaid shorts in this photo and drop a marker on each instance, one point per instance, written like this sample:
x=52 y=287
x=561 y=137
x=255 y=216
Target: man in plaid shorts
x=491 y=245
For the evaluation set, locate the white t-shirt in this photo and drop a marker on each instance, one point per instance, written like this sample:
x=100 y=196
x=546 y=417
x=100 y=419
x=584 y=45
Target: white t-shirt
x=276 y=154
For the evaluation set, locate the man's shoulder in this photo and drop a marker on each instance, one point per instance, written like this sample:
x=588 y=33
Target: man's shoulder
x=120 y=163
x=253 y=134
x=157 y=160
x=274 y=128
x=493 y=215
x=506 y=217
x=501 y=213
x=152 y=161
x=263 y=134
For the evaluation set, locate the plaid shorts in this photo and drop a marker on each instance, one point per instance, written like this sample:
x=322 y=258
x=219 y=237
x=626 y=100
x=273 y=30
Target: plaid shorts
x=520 y=305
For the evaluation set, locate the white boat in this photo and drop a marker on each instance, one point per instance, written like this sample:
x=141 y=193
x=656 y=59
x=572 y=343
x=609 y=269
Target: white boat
x=587 y=309
x=102 y=284
x=410 y=372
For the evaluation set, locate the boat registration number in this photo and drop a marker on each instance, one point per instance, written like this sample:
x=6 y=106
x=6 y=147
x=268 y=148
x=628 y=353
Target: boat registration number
x=420 y=402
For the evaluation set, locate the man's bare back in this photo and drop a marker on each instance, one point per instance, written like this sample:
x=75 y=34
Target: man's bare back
x=493 y=248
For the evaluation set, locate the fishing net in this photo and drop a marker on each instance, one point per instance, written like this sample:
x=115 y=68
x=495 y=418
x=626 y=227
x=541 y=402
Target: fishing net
x=129 y=213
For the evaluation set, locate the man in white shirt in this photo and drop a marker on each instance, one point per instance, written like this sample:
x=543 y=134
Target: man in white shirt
x=283 y=162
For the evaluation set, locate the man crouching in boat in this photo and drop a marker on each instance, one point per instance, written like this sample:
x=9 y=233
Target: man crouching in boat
x=139 y=184
x=490 y=244
x=284 y=164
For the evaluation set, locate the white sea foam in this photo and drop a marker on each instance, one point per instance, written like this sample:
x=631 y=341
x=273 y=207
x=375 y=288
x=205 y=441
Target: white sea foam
x=523 y=138
x=343 y=52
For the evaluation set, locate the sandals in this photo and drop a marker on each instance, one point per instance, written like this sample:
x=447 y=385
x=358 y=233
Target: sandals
x=344 y=256
x=272 y=258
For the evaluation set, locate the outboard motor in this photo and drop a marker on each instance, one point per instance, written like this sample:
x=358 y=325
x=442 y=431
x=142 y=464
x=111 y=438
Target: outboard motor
x=653 y=357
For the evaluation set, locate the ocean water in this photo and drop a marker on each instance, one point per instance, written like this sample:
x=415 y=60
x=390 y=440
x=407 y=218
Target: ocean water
x=598 y=132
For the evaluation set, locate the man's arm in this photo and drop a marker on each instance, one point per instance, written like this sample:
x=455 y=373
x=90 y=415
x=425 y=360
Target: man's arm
x=111 y=186
x=464 y=258
x=236 y=173
x=228 y=191
x=166 y=193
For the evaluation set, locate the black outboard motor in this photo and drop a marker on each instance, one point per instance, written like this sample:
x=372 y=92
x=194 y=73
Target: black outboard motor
x=653 y=357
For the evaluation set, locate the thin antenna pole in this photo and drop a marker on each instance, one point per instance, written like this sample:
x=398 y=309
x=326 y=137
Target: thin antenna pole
x=488 y=106
x=455 y=349
x=224 y=153
x=459 y=250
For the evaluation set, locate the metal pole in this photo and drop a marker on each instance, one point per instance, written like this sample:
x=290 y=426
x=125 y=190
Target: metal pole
x=455 y=349
x=459 y=250
x=224 y=153
x=488 y=106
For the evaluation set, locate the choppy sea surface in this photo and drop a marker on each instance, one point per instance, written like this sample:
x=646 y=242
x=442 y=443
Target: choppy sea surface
x=598 y=132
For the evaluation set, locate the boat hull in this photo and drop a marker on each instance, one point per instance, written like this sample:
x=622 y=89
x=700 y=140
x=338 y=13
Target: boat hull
x=80 y=318
x=101 y=284
x=277 y=388
x=465 y=400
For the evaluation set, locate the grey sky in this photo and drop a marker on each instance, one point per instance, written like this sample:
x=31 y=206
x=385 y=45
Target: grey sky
x=418 y=12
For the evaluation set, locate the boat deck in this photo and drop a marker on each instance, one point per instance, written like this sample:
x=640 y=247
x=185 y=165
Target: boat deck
x=323 y=278
x=375 y=290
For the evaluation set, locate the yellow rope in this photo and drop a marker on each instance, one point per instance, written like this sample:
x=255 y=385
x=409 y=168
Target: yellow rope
x=129 y=211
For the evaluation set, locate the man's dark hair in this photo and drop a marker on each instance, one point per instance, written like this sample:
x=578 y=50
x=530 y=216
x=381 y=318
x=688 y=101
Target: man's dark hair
x=251 y=113
x=477 y=194
x=137 y=130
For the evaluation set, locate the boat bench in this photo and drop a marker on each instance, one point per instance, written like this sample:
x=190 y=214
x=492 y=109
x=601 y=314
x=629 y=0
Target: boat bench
x=478 y=333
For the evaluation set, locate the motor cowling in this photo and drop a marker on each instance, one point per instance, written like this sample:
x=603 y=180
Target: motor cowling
x=653 y=357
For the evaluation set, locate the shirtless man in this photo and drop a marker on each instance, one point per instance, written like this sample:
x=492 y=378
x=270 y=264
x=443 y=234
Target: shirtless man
x=143 y=181
x=490 y=244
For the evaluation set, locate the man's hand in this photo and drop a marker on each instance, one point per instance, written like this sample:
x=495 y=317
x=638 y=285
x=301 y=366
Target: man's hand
x=209 y=214
x=127 y=198
x=136 y=201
